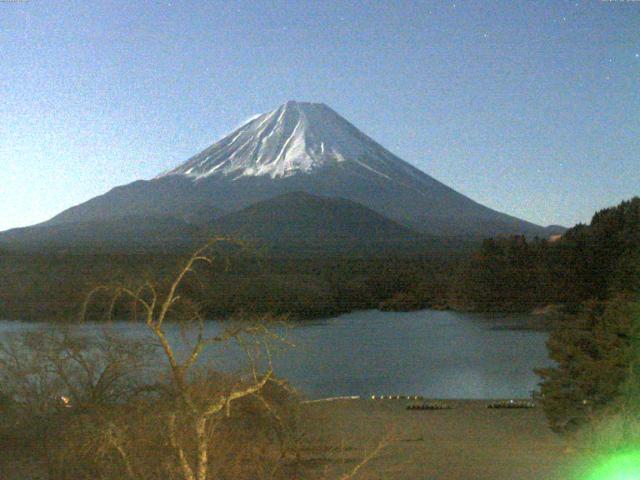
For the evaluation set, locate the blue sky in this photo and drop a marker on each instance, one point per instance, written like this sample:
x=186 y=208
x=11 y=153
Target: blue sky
x=529 y=107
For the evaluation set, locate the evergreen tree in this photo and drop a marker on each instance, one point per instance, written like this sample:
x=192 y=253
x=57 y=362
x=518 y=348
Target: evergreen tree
x=594 y=351
x=592 y=261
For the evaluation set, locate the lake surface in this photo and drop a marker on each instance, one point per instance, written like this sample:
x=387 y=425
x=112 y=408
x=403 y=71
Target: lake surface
x=431 y=353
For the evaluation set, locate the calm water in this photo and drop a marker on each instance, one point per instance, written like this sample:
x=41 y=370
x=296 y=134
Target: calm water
x=430 y=353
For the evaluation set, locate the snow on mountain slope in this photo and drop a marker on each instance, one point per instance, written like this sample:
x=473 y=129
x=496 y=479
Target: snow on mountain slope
x=297 y=137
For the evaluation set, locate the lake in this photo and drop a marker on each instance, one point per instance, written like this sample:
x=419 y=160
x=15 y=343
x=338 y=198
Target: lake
x=437 y=354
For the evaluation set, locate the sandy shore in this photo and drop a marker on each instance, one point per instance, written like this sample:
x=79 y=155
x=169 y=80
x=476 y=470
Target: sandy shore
x=468 y=441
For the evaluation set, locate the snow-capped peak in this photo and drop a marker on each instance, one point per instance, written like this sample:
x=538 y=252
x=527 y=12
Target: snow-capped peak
x=296 y=137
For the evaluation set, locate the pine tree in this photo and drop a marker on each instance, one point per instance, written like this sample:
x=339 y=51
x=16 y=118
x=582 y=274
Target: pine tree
x=594 y=351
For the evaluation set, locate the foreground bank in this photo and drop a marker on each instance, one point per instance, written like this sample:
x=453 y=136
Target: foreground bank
x=467 y=441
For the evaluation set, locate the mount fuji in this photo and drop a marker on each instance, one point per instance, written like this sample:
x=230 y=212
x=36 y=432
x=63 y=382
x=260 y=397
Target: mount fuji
x=298 y=148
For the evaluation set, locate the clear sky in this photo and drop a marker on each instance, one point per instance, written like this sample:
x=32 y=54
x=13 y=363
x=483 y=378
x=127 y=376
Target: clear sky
x=529 y=107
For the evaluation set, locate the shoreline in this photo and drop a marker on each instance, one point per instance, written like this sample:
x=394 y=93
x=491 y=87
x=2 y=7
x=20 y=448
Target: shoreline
x=411 y=398
x=468 y=441
x=536 y=321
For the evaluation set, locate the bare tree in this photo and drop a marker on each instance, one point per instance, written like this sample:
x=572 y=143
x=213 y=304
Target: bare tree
x=198 y=409
x=110 y=416
x=52 y=377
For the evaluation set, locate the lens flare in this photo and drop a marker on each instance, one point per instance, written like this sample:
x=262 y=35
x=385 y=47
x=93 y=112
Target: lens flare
x=618 y=466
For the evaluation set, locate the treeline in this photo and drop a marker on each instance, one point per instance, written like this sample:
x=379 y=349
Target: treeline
x=53 y=287
x=594 y=261
x=503 y=274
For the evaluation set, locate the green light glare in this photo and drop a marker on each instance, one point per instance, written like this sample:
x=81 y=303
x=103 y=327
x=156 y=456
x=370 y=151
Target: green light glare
x=618 y=466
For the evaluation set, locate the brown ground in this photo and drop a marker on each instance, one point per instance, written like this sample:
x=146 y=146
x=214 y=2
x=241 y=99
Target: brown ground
x=467 y=442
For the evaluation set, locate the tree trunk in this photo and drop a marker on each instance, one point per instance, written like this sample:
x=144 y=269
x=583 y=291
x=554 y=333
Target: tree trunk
x=203 y=447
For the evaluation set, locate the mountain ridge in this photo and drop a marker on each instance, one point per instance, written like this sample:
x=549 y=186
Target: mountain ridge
x=303 y=147
x=306 y=218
